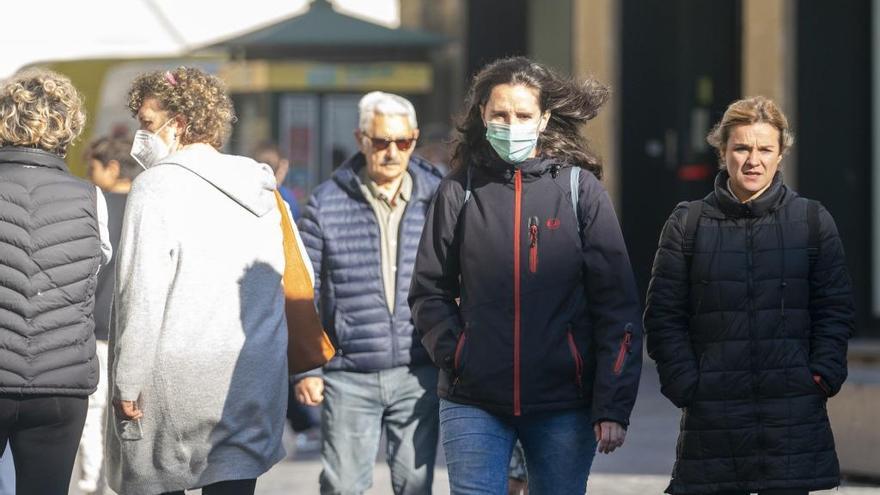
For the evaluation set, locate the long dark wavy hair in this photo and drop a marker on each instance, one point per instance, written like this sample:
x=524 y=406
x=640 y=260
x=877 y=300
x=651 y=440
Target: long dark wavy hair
x=571 y=104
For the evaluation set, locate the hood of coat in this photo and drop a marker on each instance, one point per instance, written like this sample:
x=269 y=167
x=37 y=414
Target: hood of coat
x=243 y=180
x=531 y=169
x=730 y=206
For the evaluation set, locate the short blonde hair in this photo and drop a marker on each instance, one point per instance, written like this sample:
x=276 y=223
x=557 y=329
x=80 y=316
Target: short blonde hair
x=40 y=109
x=200 y=98
x=751 y=111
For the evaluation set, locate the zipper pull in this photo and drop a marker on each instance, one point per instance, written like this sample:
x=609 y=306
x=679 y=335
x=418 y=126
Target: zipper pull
x=628 y=336
x=625 y=349
x=533 y=231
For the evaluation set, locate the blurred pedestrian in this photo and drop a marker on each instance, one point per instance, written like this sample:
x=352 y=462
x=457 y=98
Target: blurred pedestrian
x=748 y=315
x=361 y=229
x=110 y=167
x=545 y=344
x=54 y=236
x=269 y=153
x=198 y=354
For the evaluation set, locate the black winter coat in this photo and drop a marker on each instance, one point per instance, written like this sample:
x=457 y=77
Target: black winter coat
x=547 y=320
x=750 y=342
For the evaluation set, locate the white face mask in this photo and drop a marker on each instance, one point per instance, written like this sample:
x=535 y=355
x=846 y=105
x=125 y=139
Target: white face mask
x=148 y=148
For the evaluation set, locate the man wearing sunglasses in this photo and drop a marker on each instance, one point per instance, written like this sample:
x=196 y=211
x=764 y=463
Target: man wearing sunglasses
x=362 y=229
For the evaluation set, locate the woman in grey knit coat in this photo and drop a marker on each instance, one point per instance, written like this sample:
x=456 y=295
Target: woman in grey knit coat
x=199 y=369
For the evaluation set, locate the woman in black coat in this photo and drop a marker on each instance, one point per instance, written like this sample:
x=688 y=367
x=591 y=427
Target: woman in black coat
x=748 y=315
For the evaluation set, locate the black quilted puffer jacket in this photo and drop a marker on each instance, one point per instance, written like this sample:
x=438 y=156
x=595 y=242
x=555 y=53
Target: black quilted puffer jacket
x=750 y=340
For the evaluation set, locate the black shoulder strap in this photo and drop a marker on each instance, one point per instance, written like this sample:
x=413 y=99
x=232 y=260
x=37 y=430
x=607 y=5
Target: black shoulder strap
x=813 y=232
x=695 y=211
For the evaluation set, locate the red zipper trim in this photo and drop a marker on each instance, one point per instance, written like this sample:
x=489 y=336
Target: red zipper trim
x=578 y=361
x=533 y=244
x=517 y=232
x=458 y=347
x=624 y=350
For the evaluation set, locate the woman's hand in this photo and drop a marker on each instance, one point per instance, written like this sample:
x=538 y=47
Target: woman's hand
x=610 y=435
x=128 y=409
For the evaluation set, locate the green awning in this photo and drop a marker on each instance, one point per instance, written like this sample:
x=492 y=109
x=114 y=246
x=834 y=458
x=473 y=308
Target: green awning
x=323 y=27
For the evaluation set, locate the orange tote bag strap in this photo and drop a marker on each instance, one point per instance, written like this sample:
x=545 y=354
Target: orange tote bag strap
x=308 y=346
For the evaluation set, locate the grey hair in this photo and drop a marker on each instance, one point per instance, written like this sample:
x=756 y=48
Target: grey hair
x=377 y=102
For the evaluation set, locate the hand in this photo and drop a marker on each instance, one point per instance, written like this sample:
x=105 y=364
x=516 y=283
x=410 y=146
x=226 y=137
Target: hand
x=517 y=487
x=310 y=390
x=128 y=409
x=610 y=435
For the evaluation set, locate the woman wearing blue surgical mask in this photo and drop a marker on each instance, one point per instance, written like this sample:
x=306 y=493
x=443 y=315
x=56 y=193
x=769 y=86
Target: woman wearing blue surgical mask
x=198 y=365
x=523 y=291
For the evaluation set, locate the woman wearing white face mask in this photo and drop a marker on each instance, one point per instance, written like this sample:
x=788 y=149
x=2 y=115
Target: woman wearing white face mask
x=544 y=346
x=198 y=364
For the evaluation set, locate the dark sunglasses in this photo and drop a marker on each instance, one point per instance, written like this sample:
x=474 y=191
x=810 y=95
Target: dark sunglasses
x=381 y=144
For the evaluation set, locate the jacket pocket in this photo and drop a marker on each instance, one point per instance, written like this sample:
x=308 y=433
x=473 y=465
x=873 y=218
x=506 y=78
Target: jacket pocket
x=625 y=349
x=459 y=347
x=701 y=292
x=821 y=385
x=578 y=361
x=533 y=244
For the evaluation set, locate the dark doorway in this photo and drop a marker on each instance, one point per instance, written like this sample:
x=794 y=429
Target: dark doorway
x=680 y=70
x=496 y=28
x=833 y=133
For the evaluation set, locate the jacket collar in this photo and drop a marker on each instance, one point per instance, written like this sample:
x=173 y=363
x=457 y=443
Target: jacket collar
x=531 y=169
x=33 y=157
x=347 y=176
x=770 y=200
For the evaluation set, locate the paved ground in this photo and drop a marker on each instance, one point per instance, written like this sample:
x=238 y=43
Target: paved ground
x=641 y=467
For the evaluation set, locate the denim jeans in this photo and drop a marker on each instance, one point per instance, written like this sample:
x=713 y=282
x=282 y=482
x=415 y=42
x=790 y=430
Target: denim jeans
x=7 y=472
x=358 y=407
x=559 y=447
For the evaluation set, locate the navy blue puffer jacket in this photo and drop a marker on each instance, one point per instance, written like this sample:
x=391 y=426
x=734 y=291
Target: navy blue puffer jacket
x=341 y=234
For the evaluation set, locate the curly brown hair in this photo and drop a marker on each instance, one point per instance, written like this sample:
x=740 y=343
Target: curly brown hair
x=192 y=94
x=41 y=109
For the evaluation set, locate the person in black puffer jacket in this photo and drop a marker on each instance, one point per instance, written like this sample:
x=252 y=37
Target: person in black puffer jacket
x=53 y=239
x=544 y=344
x=748 y=314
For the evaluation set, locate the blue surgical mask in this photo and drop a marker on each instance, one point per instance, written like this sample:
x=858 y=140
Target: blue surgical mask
x=513 y=143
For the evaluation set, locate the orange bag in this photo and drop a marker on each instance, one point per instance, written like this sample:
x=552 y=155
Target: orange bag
x=308 y=346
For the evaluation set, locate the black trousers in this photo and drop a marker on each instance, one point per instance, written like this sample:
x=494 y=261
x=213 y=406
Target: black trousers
x=232 y=487
x=43 y=433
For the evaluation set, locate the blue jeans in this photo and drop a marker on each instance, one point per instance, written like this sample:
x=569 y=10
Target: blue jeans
x=358 y=407
x=7 y=472
x=558 y=445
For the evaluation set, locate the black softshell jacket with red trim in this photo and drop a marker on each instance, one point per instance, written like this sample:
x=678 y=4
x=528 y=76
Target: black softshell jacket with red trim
x=546 y=321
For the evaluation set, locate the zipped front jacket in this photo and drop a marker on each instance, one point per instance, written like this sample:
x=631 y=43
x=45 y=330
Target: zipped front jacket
x=341 y=233
x=548 y=314
x=750 y=339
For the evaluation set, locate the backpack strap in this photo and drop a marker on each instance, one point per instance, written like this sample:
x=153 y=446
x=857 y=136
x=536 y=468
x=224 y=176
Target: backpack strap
x=813 y=231
x=692 y=223
x=467 y=187
x=575 y=185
